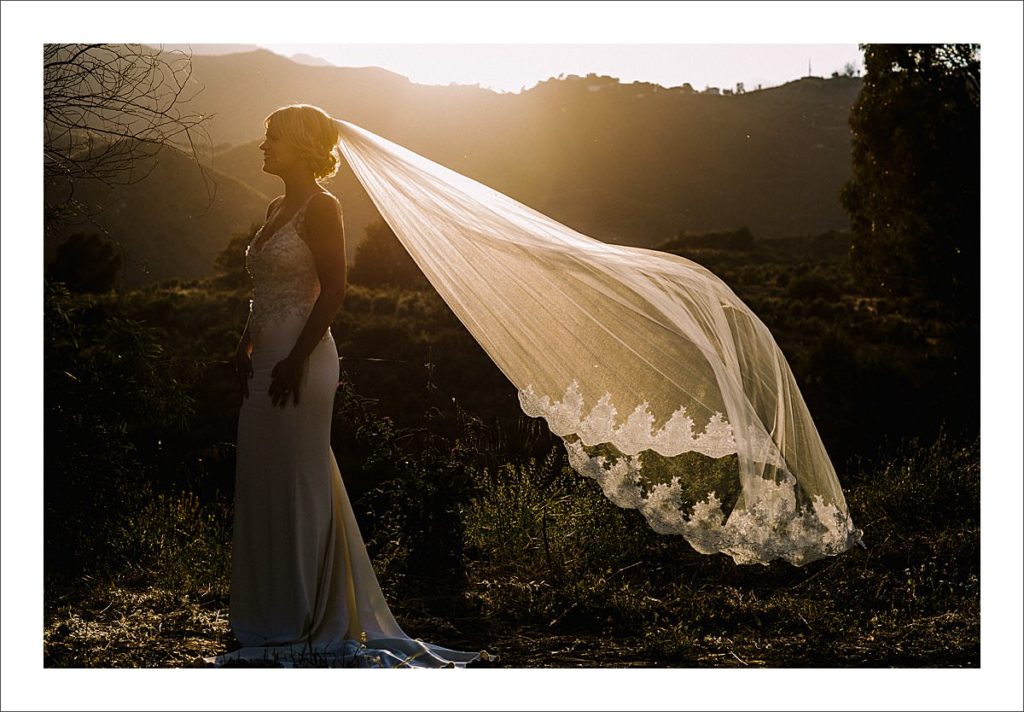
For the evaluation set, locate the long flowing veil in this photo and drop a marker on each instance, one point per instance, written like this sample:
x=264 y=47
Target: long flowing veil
x=664 y=386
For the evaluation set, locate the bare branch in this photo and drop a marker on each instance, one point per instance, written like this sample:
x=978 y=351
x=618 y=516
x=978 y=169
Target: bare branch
x=110 y=109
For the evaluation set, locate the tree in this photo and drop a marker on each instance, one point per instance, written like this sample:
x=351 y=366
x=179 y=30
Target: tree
x=86 y=263
x=105 y=109
x=914 y=198
x=382 y=260
x=230 y=262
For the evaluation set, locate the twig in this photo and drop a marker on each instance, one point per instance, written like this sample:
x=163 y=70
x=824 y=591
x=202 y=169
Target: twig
x=813 y=576
x=605 y=582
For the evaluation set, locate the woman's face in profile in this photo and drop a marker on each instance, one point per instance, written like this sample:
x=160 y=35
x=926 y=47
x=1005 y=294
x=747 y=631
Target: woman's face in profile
x=278 y=156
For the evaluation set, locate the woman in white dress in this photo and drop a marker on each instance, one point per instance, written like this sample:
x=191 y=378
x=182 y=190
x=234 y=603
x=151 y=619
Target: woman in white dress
x=640 y=352
x=303 y=590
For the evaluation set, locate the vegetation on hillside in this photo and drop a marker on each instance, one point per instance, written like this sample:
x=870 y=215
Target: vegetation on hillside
x=480 y=532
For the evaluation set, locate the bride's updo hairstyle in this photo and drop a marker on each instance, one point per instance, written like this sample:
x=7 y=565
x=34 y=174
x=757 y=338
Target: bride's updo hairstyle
x=310 y=130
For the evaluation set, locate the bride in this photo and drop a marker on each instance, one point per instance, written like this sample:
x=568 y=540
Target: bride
x=663 y=385
x=303 y=590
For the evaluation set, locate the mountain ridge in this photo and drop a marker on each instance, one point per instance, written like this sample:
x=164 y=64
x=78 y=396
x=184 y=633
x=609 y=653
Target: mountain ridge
x=633 y=164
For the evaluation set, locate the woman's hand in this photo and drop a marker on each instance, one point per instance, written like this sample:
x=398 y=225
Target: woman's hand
x=243 y=364
x=285 y=380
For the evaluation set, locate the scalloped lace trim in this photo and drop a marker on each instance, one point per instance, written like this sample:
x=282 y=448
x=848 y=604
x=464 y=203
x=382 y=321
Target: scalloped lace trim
x=636 y=434
x=770 y=526
x=773 y=527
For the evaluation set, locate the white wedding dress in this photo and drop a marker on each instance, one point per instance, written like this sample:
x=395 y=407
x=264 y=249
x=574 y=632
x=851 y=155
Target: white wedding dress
x=303 y=589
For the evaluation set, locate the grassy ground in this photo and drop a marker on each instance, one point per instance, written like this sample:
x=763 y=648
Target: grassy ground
x=602 y=590
x=111 y=625
x=476 y=545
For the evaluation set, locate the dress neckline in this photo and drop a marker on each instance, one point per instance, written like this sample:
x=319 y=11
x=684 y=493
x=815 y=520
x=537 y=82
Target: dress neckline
x=260 y=242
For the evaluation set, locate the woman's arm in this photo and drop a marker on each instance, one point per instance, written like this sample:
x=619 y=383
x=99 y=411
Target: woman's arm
x=326 y=239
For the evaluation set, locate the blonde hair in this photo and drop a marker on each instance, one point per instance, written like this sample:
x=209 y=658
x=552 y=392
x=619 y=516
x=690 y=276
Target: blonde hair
x=311 y=130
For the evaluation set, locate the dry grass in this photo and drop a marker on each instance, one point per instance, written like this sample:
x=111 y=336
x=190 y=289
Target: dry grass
x=111 y=626
x=117 y=627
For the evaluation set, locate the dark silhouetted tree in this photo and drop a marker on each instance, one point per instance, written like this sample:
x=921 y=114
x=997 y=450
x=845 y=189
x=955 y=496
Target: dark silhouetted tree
x=914 y=196
x=86 y=263
x=230 y=262
x=382 y=260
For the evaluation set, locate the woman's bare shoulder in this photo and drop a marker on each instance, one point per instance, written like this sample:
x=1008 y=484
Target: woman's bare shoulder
x=324 y=220
x=325 y=201
x=324 y=208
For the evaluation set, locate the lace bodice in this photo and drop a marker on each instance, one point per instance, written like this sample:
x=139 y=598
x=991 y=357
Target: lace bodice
x=283 y=272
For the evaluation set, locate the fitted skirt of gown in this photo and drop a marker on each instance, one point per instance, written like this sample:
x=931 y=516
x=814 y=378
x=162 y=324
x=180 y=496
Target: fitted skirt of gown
x=303 y=589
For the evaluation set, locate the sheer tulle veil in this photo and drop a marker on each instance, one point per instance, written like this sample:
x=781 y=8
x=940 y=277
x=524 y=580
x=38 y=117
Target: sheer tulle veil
x=665 y=388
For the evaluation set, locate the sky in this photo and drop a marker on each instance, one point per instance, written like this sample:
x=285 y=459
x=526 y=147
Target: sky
x=512 y=67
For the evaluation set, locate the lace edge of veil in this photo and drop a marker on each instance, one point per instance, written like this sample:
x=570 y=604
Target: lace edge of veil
x=772 y=526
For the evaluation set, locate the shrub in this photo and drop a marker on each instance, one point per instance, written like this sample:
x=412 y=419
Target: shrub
x=106 y=380
x=813 y=285
x=922 y=486
x=542 y=541
x=230 y=262
x=87 y=263
x=381 y=260
x=175 y=542
x=408 y=484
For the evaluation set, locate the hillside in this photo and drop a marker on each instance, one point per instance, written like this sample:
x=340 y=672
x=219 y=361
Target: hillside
x=628 y=163
x=170 y=225
x=633 y=164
